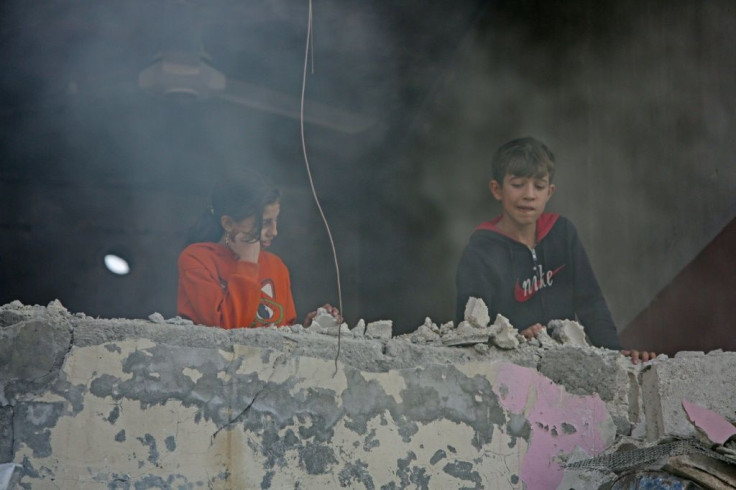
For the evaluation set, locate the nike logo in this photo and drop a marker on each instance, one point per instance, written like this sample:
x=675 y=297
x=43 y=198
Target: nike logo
x=529 y=287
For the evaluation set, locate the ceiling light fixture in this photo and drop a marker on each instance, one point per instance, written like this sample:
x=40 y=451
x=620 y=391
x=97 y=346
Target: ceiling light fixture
x=117 y=264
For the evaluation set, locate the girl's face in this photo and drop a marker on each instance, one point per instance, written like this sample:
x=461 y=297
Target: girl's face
x=269 y=231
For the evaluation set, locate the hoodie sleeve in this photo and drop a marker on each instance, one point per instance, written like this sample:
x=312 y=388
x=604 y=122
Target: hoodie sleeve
x=472 y=280
x=205 y=301
x=590 y=305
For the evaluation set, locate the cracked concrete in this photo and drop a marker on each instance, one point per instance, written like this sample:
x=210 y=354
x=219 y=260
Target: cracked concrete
x=135 y=403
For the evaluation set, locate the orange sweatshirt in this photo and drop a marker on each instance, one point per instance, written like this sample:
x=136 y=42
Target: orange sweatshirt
x=216 y=289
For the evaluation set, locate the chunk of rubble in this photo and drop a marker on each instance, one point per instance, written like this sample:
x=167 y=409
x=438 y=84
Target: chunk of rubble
x=503 y=334
x=427 y=333
x=482 y=348
x=332 y=330
x=544 y=340
x=157 y=317
x=326 y=324
x=567 y=332
x=359 y=329
x=476 y=312
x=466 y=334
x=177 y=320
x=447 y=327
x=381 y=329
x=431 y=325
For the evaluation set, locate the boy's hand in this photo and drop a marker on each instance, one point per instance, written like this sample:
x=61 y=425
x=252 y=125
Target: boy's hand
x=531 y=332
x=332 y=310
x=635 y=355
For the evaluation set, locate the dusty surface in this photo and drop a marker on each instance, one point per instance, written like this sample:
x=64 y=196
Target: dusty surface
x=116 y=403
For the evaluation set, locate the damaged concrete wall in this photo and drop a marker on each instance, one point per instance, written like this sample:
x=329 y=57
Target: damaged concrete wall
x=114 y=403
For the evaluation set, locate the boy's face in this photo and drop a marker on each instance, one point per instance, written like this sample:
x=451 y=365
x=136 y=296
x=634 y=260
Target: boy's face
x=523 y=199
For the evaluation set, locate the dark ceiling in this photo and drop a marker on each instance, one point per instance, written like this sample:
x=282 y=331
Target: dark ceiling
x=405 y=101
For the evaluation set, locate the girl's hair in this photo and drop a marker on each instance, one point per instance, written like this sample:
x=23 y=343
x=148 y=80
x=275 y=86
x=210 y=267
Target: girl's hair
x=239 y=196
x=523 y=157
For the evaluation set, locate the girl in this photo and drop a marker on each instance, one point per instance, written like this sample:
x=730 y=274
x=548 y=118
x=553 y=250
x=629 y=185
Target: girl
x=226 y=278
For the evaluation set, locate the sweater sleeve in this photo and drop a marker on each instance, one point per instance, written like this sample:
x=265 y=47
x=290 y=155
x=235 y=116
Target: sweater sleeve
x=290 y=315
x=471 y=280
x=590 y=305
x=206 y=301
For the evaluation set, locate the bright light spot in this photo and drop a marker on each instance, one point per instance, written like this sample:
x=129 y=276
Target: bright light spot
x=116 y=265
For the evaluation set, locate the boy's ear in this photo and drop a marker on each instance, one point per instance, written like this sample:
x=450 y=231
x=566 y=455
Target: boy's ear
x=495 y=189
x=552 y=189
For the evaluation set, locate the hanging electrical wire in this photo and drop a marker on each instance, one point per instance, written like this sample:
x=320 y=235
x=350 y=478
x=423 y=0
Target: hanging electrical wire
x=310 y=49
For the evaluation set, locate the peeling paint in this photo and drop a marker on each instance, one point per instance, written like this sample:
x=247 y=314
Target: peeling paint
x=546 y=404
x=356 y=473
x=149 y=441
x=438 y=456
x=33 y=424
x=464 y=470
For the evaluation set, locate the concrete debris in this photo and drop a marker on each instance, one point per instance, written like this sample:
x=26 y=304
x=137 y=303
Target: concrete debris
x=428 y=333
x=567 y=332
x=157 y=318
x=466 y=334
x=689 y=353
x=381 y=329
x=476 y=312
x=671 y=462
x=503 y=334
x=447 y=327
x=324 y=319
x=545 y=341
x=177 y=320
x=327 y=324
x=475 y=330
x=482 y=348
x=359 y=329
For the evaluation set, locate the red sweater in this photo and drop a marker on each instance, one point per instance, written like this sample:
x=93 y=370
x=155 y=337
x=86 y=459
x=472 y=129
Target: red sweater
x=217 y=289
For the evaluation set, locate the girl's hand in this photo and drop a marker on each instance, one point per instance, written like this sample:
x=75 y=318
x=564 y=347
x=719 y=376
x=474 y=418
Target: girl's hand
x=245 y=250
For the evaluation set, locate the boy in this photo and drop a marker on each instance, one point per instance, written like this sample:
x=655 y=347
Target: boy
x=528 y=265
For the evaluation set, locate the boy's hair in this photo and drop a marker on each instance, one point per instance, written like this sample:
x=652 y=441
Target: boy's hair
x=523 y=157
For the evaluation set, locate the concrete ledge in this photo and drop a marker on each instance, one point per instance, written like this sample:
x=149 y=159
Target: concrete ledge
x=137 y=403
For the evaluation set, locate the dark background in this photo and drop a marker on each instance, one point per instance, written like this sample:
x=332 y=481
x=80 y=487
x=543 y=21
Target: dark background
x=636 y=99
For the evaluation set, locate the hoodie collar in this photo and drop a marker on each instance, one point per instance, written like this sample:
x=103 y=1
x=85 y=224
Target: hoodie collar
x=544 y=224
